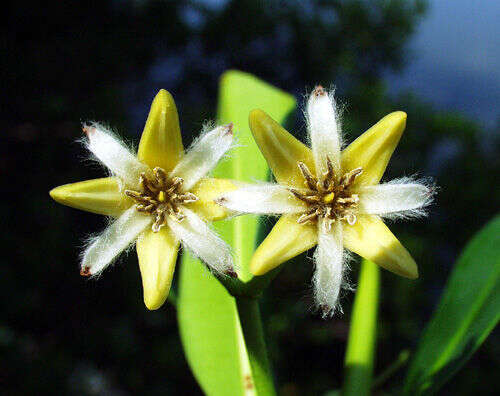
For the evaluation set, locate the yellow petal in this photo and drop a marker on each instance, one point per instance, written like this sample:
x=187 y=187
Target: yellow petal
x=102 y=196
x=207 y=190
x=157 y=252
x=161 y=142
x=373 y=149
x=371 y=239
x=281 y=150
x=286 y=240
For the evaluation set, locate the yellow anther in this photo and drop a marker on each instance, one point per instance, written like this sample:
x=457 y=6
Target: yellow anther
x=328 y=198
x=162 y=196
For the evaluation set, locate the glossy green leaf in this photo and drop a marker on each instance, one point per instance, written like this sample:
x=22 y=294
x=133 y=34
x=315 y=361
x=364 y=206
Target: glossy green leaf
x=466 y=314
x=226 y=359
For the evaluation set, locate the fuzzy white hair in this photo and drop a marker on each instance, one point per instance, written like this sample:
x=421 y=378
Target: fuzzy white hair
x=261 y=198
x=103 y=249
x=204 y=154
x=114 y=154
x=324 y=129
x=331 y=264
x=202 y=242
x=403 y=198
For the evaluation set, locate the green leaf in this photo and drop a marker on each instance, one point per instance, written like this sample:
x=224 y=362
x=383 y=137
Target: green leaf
x=467 y=313
x=226 y=359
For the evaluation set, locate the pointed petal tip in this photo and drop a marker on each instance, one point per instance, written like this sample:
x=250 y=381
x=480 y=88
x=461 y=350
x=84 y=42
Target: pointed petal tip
x=101 y=196
x=154 y=301
x=409 y=270
x=163 y=99
x=371 y=239
x=163 y=94
x=257 y=115
x=59 y=194
x=261 y=123
x=157 y=254
x=258 y=267
x=408 y=273
x=398 y=118
x=412 y=272
x=161 y=142
x=407 y=267
x=373 y=149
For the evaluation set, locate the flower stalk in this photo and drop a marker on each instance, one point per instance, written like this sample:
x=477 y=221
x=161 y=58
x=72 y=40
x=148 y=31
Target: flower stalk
x=251 y=325
x=360 y=352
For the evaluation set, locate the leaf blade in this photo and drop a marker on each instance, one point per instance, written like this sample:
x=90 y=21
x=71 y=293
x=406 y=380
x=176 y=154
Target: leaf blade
x=208 y=328
x=466 y=314
x=209 y=321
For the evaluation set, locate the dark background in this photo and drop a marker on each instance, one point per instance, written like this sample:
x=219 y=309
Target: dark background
x=68 y=62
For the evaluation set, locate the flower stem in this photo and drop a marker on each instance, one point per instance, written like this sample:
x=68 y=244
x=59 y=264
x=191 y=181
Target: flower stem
x=251 y=324
x=362 y=334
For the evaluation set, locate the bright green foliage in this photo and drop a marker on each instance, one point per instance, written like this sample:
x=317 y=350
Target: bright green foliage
x=209 y=329
x=224 y=361
x=360 y=352
x=467 y=313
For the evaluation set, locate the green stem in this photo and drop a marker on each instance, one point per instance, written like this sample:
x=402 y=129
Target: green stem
x=362 y=333
x=251 y=324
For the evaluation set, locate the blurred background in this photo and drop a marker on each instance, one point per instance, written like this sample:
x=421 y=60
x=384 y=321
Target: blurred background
x=68 y=62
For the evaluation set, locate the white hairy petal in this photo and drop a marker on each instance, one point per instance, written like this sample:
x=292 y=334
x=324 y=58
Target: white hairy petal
x=400 y=198
x=203 y=155
x=262 y=198
x=114 y=154
x=106 y=247
x=324 y=130
x=202 y=242
x=329 y=267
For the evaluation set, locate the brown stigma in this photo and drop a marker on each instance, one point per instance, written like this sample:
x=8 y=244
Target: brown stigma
x=161 y=197
x=329 y=196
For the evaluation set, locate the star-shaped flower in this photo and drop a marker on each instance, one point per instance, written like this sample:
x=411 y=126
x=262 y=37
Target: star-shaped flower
x=330 y=198
x=158 y=198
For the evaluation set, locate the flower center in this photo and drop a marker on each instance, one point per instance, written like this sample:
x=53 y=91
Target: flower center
x=161 y=197
x=328 y=197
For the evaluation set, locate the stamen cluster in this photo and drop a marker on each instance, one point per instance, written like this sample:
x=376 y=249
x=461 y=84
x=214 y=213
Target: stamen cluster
x=328 y=197
x=161 y=197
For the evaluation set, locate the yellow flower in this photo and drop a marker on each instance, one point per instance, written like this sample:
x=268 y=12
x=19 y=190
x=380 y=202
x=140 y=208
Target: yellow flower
x=159 y=198
x=330 y=198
